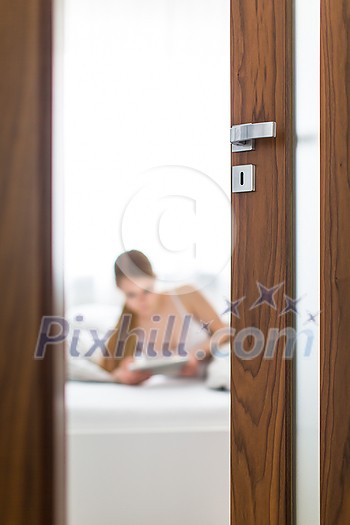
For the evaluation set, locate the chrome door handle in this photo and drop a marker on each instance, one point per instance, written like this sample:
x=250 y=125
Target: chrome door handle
x=243 y=135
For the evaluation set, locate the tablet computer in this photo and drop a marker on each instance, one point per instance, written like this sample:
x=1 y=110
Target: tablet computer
x=159 y=365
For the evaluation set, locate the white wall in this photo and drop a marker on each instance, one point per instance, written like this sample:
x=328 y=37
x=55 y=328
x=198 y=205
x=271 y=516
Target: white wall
x=146 y=149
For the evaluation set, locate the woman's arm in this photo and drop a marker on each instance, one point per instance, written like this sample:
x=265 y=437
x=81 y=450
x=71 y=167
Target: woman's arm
x=119 y=367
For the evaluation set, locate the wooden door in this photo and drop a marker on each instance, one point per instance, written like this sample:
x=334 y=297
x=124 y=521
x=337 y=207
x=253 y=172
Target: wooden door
x=335 y=262
x=262 y=265
x=31 y=401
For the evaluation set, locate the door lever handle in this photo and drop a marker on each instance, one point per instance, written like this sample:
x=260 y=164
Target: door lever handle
x=243 y=135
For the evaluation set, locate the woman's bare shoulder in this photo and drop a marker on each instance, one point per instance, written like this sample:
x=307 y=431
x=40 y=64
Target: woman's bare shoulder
x=187 y=293
x=184 y=289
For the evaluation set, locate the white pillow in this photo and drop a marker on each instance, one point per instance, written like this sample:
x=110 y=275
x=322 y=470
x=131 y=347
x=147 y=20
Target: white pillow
x=101 y=317
x=82 y=369
x=94 y=317
x=219 y=370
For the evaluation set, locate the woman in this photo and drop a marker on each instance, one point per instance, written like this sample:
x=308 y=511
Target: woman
x=151 y=313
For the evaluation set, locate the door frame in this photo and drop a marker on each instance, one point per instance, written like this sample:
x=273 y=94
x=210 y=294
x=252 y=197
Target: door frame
x=32 y=457
x=335 y=263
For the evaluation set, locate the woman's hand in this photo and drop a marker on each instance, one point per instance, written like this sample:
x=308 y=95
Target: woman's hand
x=122 y=374
x=191 y=368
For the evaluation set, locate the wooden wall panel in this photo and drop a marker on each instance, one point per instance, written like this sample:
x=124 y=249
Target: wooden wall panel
x=31 y=392
x=261 y=413
x=335 y=262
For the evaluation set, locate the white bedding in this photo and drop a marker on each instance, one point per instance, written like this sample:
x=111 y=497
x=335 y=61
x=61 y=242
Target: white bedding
x=158 y=453
x=159 y=403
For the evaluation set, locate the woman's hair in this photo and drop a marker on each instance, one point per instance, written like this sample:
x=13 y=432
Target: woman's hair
x=130 y=264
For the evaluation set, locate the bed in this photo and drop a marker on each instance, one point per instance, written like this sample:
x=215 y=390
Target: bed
x=157 y=453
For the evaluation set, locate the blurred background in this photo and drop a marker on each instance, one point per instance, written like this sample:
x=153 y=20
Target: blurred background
x=146 y=153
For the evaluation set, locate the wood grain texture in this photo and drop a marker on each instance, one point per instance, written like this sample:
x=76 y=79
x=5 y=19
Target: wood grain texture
x=262 y=232
x=335 y=262
x=31 y=391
